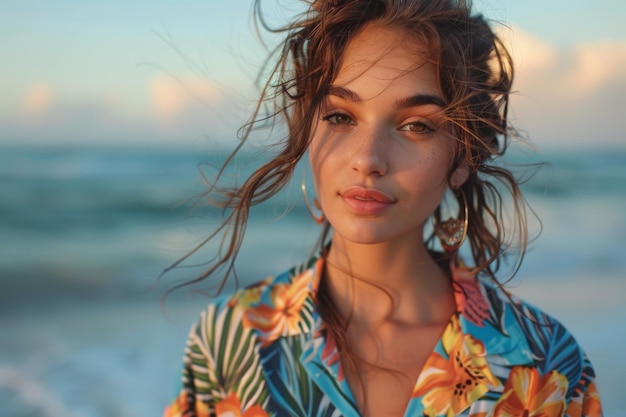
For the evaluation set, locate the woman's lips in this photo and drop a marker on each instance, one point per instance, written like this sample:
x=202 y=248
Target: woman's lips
x=366 y=201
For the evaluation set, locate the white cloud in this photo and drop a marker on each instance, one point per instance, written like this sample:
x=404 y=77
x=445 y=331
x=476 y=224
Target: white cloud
x=598 y=65
x=172 y=96
x=37 y=99
x=571 y=96
x=527 y=51
x=177 y=111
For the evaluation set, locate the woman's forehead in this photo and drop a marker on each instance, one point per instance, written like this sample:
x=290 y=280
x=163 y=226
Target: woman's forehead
x=395 y=47
x=384 y=55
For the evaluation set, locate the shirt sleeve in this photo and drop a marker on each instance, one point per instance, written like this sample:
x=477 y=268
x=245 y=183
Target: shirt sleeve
x=193 y=400
x=586 y=400
x=221 y=366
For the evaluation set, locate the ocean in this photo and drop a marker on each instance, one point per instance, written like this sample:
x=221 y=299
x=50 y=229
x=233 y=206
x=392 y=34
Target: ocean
x=85 y=234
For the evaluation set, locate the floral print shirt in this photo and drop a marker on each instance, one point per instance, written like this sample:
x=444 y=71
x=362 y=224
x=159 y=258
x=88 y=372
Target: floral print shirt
x=264 y=352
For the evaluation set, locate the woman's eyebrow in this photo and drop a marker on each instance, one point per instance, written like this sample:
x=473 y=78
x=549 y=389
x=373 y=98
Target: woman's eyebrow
x=410 y=101
x=344 y=93
x=420 y=100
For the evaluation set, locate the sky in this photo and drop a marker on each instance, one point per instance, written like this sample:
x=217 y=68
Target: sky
x=179 y=73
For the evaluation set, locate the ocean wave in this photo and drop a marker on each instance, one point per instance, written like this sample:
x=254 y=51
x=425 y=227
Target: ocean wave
x=29 y=393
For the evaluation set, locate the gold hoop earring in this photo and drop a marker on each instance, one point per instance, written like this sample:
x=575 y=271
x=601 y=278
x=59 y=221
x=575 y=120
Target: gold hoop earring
x=452 y=232
x=318 y=218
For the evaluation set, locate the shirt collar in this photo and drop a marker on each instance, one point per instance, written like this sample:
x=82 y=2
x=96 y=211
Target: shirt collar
x=485 y=311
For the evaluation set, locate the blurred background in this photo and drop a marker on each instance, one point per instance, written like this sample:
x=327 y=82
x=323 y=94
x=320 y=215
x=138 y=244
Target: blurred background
x=111 y=111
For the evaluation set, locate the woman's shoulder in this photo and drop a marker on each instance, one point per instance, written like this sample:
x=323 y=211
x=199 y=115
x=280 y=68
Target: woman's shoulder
x=247 y=309
x=536 y=322
x=527 y=314
x=260 y=291
x=545 y=339
x=486 y=302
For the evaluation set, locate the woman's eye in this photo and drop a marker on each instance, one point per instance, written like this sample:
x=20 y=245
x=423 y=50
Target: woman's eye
x=338 y=119
x=418 y=127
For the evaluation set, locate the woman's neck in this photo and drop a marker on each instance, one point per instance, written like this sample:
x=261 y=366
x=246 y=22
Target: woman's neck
x=393 y=281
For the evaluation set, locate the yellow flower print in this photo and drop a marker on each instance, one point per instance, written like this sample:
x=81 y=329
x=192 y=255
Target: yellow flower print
x=249 y=295
x=281 y=317
x=528 y=394
x=449 y=385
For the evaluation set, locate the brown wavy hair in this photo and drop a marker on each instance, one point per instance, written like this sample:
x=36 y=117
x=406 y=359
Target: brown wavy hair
x=475 y=74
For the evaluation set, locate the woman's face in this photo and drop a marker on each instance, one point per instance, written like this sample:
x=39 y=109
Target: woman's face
x=380 y=153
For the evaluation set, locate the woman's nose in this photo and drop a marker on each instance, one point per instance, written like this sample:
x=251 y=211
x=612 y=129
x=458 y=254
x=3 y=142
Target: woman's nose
x=369 y=155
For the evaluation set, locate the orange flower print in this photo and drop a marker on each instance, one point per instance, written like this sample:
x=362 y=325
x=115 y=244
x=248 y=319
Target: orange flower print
x=590 y=406
x=281 y=317
x=180 y=407
x=449 y=385
x=177 y=407
x=528 y=394
x=231 y=407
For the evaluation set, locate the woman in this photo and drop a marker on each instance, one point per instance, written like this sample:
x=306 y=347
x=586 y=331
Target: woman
x=398 y=103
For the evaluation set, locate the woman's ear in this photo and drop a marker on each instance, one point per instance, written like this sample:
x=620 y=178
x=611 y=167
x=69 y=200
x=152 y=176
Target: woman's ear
x=459 y=175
